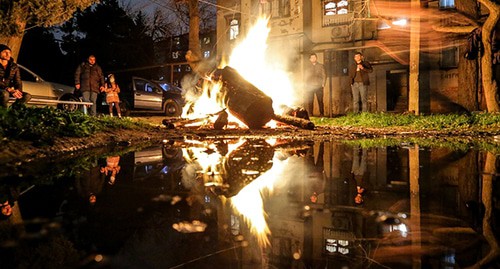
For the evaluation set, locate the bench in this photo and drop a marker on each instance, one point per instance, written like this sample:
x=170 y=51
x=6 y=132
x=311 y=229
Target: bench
x=36 y=101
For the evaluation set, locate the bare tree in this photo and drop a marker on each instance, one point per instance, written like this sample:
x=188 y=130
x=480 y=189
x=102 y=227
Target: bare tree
x=18 y=16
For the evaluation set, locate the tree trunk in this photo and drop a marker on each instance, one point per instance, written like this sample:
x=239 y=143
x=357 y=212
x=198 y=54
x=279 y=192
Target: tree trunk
x=468 y=83
x=14 y=42
x=468 y=76
x=414 y=104
x=489 y=84
x=194 y=35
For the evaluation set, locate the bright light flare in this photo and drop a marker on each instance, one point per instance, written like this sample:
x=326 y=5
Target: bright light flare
x=252 y=61
x=250 y=58
x=400 y=22
x=249 y=202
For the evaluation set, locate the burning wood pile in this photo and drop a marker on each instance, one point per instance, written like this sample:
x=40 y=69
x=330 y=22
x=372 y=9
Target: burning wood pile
x=245 y=102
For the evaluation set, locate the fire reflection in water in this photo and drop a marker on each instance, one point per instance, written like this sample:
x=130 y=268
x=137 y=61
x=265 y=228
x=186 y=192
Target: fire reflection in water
x=243 y=171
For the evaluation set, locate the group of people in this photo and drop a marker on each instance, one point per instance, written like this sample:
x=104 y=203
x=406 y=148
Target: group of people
x=358 y=76
x=89 y=80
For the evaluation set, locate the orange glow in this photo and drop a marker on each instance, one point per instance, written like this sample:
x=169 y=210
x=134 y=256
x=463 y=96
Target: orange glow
x=251 y=61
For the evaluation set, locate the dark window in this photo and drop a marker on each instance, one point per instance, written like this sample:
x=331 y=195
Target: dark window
x=449 y=58
x=276 y=8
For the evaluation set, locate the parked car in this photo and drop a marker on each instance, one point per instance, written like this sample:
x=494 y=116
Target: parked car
x=146 y=95
x=47 y=93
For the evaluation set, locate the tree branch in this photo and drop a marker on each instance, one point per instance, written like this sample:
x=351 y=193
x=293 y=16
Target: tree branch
x=454 y=29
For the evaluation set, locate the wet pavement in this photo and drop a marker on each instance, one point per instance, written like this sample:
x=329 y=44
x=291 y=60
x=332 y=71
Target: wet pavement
x=253 y=203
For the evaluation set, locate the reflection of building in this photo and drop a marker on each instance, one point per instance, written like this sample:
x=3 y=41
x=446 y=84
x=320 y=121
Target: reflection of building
x=440 y=180
x=335 y=232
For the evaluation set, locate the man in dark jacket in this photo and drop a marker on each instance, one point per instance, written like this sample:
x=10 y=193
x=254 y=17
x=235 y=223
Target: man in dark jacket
x=315 y=82
x=358 y=73
x=10 y=79
x=89 y=79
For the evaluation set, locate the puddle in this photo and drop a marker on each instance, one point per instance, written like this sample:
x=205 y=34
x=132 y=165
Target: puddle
x=241 y=203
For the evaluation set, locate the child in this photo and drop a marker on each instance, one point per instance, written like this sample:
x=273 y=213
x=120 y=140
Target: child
x=112 y=89
x=112 y=168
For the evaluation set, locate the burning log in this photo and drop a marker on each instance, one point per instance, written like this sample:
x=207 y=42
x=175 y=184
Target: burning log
x=249 y=104
x=172 y=123
x=298 y=122
x=222 y=120
x=245 y=101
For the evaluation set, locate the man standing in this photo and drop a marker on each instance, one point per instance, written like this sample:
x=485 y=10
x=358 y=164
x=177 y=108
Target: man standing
x=89 y=79
x=358 y=73
x=10 y=79
x=315 y=79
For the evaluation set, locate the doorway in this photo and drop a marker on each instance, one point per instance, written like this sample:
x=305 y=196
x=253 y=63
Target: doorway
x=397 y=90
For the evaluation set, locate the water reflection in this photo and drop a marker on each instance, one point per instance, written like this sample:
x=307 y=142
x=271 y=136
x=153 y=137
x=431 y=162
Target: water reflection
x=240 y=203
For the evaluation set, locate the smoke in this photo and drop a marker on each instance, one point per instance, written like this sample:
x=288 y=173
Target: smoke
x=437 y=28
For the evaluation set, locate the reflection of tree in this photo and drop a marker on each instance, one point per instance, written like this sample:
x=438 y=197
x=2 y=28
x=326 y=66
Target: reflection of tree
x=247 y=163
x=486 y=197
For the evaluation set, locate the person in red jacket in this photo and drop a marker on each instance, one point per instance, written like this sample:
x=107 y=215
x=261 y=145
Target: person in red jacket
x=10 y=79
x=112 y=90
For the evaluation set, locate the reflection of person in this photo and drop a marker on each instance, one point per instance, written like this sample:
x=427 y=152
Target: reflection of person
x=89 y=79
x=358 y=73
x=90 y=183
x=315 y=82
x=358 y=170
x=112 y=90
x=10 y=79
x=8 y=197
x=112 y=168
x=316 y=181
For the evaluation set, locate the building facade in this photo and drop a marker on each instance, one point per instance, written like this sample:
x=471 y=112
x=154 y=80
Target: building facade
x=335 y=30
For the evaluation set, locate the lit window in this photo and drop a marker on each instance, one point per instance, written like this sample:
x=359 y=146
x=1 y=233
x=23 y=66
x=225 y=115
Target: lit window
x=206 y=40
x=446 y=3
x=206 y=54
x=175 y=55
x=234 y=29
x=334 y=7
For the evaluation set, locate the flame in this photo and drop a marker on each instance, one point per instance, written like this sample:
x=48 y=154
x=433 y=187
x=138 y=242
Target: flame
x=206 y=160
x=249 y=202
x=250 y=58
